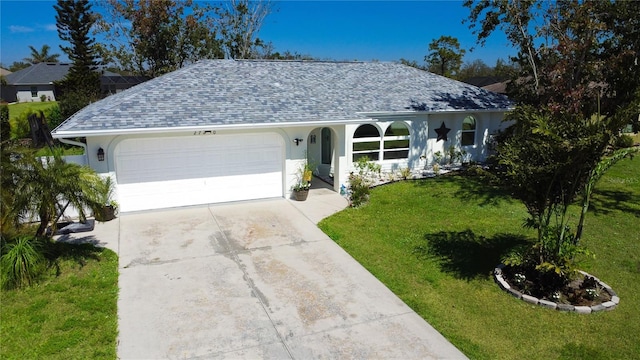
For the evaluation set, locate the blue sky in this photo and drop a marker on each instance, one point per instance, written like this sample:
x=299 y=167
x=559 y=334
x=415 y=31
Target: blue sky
x=336 y=30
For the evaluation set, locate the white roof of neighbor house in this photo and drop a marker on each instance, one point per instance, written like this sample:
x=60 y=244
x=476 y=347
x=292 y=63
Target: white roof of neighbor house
x=238 y=93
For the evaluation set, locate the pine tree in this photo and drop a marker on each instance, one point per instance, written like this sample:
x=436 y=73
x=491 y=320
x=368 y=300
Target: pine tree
x=74 y=20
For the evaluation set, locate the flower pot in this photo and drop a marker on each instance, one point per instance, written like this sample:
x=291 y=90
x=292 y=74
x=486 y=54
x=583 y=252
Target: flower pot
x=301 y=195
x=107 y=213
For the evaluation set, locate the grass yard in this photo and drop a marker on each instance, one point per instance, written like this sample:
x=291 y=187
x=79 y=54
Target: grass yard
x=16 y=109
x=71 y=316
x=435 y=242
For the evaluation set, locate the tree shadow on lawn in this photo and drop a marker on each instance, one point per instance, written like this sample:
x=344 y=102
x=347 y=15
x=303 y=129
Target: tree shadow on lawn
x=605 y=201
x=467 y=255
x=77 y=250
x=472 y=186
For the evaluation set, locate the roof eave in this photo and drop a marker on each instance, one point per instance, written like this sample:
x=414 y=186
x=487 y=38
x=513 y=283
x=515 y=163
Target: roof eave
x=163 y=130
x=31 y=84
x=378 y=114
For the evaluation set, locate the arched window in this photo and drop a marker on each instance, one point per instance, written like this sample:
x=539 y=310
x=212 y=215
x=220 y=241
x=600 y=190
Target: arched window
x=366 y=142
x=468 y=131
x=396 y=141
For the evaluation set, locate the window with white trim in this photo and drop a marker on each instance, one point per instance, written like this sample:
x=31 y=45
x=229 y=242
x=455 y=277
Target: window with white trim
x=366 y=142
x=396 y=141
x=468 y=131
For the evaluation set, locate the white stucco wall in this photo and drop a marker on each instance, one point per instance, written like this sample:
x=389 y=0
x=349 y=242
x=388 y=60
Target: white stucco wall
x=23 y=93
x=292 y=154
x=423 y=138
x=423 y=144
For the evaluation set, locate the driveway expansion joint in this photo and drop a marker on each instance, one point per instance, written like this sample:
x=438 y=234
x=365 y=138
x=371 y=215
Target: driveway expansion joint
x=254 y=290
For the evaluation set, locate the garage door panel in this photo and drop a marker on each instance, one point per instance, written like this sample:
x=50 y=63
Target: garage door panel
x=210 y=162
x=169 y=172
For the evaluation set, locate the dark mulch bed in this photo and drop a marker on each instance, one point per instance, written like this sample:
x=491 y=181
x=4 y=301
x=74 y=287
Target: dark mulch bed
x=583 y=290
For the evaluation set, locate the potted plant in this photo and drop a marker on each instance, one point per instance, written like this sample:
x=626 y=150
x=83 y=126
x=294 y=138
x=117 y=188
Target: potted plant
x=109 y=209
x=301 y=190
x=304 y=175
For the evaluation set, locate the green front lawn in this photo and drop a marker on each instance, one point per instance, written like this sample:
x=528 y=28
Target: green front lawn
x=16 y=109
x=435 y=242
x=69 y=316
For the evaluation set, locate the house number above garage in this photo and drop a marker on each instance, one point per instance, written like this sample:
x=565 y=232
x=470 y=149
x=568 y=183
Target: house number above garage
x=204 y=132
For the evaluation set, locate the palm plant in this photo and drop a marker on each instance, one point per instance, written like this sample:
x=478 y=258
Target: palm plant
x=38 y=188
x=12 y=170
x=44 y=187
x=42 y=55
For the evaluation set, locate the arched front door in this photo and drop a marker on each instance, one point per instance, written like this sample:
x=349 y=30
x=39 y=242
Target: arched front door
x=326 y=146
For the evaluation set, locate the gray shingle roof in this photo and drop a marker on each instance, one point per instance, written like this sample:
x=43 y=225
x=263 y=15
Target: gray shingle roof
x=241 y=92
x=45 y=73
x=40 y=73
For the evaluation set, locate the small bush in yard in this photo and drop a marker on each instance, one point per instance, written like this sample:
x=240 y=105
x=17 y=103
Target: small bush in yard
x=5 y=126
x=20 y=125
x=623 y=141
x=22 y=262
x=358 y=189
x=360 y=183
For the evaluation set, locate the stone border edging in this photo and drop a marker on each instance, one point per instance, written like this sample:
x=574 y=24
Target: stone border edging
x=609 y=305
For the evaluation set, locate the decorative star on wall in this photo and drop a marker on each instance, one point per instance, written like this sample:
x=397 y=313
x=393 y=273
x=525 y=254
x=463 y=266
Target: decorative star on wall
x=442 y=132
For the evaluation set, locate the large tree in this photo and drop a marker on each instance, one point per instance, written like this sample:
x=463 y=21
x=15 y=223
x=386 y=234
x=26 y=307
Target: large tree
x=154 y=37
x=412 y=63
x=42 y=55
x=445 y=56
x=240 y=22
x=475 y=68
x=576 y=57
x=578 y=84
x=81 y=85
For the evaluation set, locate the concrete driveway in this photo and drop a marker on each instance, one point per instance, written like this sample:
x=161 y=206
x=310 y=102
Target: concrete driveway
x=255 y=280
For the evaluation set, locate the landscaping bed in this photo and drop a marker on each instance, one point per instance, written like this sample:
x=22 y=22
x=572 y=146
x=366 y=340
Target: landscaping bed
x=584 y=294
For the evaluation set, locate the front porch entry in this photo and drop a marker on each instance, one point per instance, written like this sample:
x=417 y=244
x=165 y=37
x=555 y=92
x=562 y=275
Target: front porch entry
x=321 y=152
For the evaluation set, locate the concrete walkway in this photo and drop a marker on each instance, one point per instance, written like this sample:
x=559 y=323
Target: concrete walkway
x=255 y=280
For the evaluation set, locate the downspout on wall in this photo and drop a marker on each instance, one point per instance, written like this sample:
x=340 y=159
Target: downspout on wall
x=77 y=143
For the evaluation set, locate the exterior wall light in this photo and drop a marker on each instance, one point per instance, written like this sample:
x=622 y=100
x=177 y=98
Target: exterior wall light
x=297 y=141
x=100 y=154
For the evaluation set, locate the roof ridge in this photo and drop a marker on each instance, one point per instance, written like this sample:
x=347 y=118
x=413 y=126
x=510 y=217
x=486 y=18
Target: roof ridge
x=311 y=61
x=24 y=73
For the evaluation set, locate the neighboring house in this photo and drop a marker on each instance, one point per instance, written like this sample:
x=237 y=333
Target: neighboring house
x=4 y=72
x=31 y=83
x=229 y=130
x=112 y=83
x=500 y=88
x=491 y=83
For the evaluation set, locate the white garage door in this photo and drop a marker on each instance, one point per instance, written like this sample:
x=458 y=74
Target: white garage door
x=178 y=171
